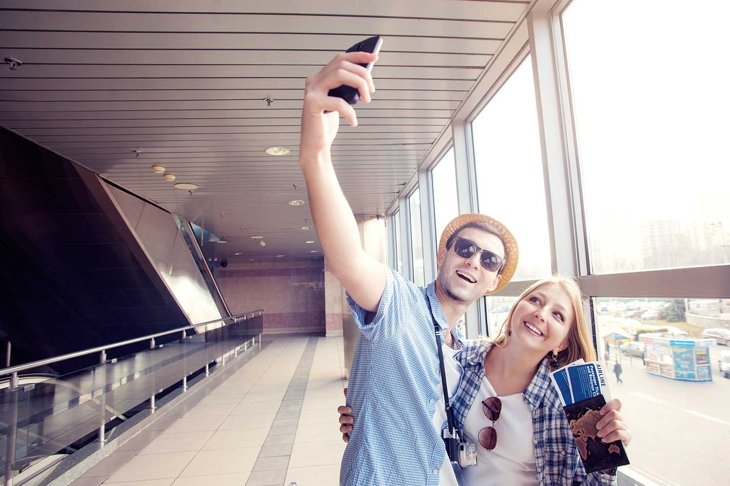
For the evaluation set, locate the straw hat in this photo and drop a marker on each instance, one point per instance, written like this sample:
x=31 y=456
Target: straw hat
x=510 y=244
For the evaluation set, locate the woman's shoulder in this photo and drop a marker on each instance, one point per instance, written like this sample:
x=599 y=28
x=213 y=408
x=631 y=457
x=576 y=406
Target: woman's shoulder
x=473 y=351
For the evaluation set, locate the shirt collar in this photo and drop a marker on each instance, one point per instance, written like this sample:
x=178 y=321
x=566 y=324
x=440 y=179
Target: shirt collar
x=538 y=387
x=473 y=357
x=438 y=311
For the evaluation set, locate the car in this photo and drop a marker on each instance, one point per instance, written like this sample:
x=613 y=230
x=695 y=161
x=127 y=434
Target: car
x=720 y=335
x=633 y=348
x=501 y=308
x=725 y=364
x=650 y=315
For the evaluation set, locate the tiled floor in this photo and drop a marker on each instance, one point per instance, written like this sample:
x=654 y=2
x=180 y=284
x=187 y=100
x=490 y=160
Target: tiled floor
x=273 y=422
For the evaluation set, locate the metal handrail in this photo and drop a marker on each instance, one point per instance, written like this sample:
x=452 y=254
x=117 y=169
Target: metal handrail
x=17 y=368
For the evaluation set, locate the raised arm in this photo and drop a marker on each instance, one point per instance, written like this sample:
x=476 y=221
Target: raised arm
x=360 y=274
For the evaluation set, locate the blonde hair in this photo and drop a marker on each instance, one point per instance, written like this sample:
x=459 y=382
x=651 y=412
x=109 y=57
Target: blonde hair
x=580 y=344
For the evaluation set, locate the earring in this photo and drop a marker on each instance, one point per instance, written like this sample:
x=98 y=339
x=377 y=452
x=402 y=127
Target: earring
x=554 y=360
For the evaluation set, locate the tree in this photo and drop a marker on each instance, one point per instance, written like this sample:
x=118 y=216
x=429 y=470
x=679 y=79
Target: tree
x=675 y=311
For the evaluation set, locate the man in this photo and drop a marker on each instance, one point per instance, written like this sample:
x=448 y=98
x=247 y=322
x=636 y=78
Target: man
x=617 y=370
x=395 y=384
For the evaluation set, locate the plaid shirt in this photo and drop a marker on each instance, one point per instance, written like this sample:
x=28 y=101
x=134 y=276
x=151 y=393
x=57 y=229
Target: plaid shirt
x=556 y=455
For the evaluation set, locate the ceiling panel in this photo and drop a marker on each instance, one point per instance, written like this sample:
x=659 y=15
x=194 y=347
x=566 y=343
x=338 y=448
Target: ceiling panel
x=120 y=86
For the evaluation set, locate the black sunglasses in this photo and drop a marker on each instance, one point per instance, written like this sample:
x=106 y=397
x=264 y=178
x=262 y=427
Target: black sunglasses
x=491 y=407
x=467 y=248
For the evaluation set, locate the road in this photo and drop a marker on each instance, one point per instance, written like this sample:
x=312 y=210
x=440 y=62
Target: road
x=680 y=430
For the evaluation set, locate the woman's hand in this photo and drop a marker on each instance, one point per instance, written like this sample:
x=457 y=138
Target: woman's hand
x=346 y=419
x=611 y=427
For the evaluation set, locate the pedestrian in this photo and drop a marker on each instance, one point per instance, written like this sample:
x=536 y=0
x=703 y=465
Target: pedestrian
x=617 y=370
x=395 y=387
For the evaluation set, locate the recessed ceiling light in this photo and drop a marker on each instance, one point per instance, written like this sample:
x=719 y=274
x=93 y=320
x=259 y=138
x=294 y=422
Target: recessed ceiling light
x=238 y=253
x=158 y=169
x=256 y=237
x=296 y=202
x=279 y=256
x=170 y=177
x=262 y=243
x=312 y=251
x=277 y=151
x=306 y=228
x=186 y=186
x=309 y=242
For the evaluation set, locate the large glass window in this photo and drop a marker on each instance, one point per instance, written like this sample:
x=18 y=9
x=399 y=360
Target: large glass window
x=398 y=258
x=414 y=204
x=649 y=85
x=675 y=363
x=510 y=181
x=445 y=198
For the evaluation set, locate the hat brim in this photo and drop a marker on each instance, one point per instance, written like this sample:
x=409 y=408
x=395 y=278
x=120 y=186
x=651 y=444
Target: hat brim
x=508 y=239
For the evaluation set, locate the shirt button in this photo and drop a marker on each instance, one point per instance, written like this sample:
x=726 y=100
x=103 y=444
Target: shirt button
x=432 y=401
x=534 y=441
x=435 y=471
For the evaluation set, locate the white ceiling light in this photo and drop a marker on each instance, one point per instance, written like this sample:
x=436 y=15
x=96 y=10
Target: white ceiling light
x=186 y=186
x=309 y=242
x=262 y=243
x=306 y=228
x=256 y=237
x=296 y=202
x=170 y=177
x=279 y=256
x=277 y=151
x=158 y=169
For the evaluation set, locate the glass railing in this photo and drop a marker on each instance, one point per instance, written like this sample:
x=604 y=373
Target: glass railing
x=44 y=413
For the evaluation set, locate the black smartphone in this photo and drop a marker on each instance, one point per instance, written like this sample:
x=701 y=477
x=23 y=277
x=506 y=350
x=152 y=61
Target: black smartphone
x=348 y=93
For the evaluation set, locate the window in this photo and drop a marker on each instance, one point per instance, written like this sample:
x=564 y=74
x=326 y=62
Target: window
x=445 y=198
x=397 y=257
x=497 y=309
x=651 y=131
x=671 y=353
x=414 y=204
x=510 y=182
x=650 y=135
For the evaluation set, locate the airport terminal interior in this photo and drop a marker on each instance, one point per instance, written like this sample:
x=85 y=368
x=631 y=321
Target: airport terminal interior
x=167 y=316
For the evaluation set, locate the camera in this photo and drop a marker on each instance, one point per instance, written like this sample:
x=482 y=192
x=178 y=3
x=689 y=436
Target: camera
x=460 y=452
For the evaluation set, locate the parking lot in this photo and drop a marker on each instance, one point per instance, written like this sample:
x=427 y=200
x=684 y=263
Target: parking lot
x=681 y=430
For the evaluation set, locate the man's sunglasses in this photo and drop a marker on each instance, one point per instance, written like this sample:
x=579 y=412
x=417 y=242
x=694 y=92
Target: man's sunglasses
x=467 y=248
x=491 y=407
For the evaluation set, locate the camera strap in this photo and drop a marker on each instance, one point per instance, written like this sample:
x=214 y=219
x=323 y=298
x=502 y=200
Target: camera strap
x=447 y=405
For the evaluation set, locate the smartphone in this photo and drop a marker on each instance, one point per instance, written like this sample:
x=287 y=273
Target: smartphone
x=348 y=93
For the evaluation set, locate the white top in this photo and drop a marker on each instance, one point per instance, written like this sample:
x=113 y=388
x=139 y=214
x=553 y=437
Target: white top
x=453 y=374
x=512 y=461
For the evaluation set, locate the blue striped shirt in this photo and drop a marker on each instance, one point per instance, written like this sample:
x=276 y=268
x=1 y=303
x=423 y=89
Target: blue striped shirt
x=394 y=385
x=556 y=454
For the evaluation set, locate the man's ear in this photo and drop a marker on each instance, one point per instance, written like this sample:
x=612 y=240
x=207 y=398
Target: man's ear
x=440 y=257
x=495 y=283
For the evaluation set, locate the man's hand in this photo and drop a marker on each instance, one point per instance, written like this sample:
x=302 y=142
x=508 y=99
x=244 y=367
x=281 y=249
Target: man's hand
x=319 y=128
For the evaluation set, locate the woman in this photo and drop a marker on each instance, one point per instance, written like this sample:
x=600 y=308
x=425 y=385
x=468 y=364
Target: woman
x=506 y=404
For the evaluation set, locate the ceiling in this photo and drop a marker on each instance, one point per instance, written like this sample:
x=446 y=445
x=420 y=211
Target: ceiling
x=121 y=86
